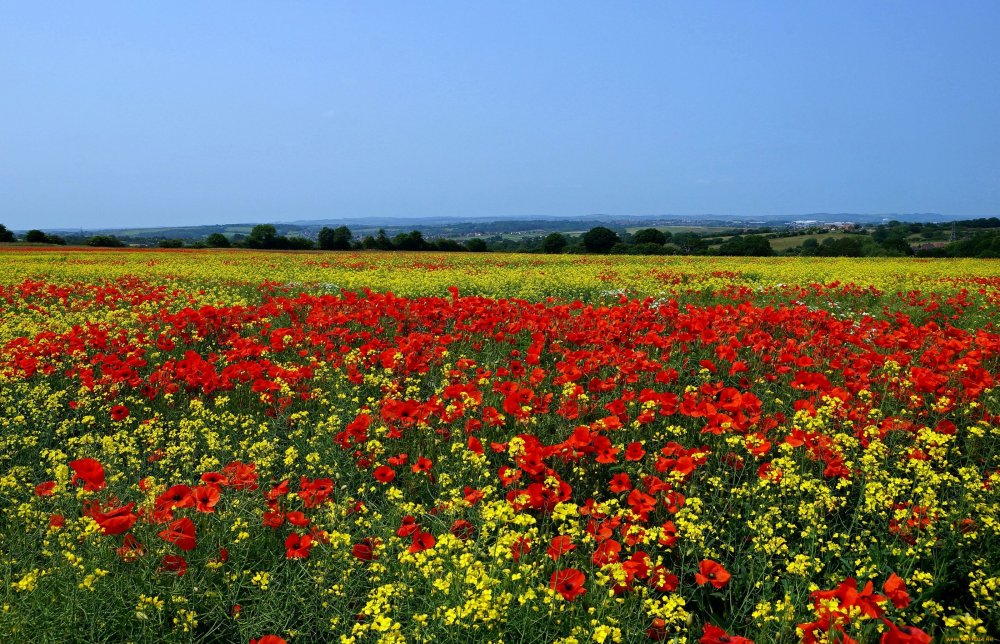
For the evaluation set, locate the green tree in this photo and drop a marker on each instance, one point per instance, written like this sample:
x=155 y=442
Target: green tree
x=35 y=236
x=263 y=236
x=217 y=240
x=689 y=243
x=749 y=246
x=338 y=238
x=106 y=241
x=476 y=245
x=649 y=236
x=554 y=243
x=600 y=239
x=6 y=235
x=413 y=240
x=382 y=241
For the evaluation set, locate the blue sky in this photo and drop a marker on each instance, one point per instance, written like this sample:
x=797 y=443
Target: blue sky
x=156 y=113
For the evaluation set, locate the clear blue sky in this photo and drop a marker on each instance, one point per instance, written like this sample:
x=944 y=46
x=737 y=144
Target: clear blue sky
x=157 y=113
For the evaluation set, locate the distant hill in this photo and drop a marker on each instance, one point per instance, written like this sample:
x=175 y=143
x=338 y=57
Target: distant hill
x=465 y=227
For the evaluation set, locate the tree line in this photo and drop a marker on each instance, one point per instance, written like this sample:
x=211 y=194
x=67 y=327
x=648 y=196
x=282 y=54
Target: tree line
x=969 y=238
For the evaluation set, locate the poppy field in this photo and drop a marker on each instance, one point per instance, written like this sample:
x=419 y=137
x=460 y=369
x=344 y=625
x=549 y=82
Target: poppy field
x=229 y=446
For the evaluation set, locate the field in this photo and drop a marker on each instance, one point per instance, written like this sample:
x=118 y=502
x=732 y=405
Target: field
x=227 y=446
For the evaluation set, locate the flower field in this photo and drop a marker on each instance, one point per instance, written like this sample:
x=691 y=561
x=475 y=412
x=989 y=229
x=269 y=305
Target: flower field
x=220 y=446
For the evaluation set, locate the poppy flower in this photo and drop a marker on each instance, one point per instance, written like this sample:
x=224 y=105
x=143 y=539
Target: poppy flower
x=663 y=580
x=297 y=519
x=365 y=550
x=904 y=635
x=177 y=496
x=462 y=529
x=634 y=451
x=472 y=496
x=657 y=630
x=269 y=639
x=175 y=564
x=297 y=546
x=241 y=476
x=273 y=519
x=421 y=541
x=205 y=498
x=90 y=471
x=422 y=465
x=711 y=572
x=620 y=483
x=116 y=520
x=119 y=413
x=130 y=550
x=407 y=527
x=559 y=546
x=520 y=546
x=568 y=582
x=384 y=474
x=214 y=478
x=57 y=521
x=895 y=590
x=181 y=533
x=45 y=489
x=711 y=634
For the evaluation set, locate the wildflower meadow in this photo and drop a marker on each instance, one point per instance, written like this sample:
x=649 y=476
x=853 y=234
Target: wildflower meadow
x=230 y=446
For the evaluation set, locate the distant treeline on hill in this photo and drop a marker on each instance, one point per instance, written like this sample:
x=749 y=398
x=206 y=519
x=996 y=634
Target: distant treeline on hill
x=969 y=238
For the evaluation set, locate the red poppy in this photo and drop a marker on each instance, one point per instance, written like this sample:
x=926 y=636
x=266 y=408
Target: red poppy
x=384 y=474
x=116 y=520
x=634 y=451
x=520 y=546
x=463 y=529
x=663 y=580
x=278 y=491
x=895 y=590
x=657 y=630
x=297 y=546
x=241 y=476
x=214 y=478
x=45 y=489
x=131 y=549
x=365 y=550
x=57 y=521
x=90 y=471
x=422 y=465
x=175 y=564
x=181 y=533
x=714 y=635
x=421 y=541
x=269 y=639
x=119 y=413
x=620 y=483
x=711 y=572
x=568 y=582
x=297 y=519
x=904 y=635
x=205 y=497
x=178 y=496
x=559 y=546
x=407 y=527
x=273 y=519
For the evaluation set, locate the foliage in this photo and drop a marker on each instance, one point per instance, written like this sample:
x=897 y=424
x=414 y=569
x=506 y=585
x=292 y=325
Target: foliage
x=338 y=238
x=600 y=239
x=217 y=240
